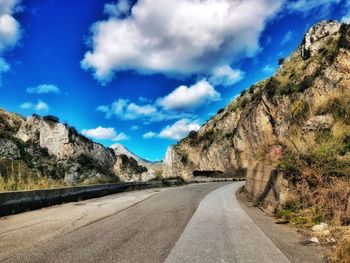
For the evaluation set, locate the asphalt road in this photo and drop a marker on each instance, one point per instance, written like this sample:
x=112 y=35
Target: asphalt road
x=220 y=231
x=143 y=226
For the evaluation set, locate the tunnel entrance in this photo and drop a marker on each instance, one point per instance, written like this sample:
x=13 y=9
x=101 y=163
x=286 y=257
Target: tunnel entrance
x=210 y=174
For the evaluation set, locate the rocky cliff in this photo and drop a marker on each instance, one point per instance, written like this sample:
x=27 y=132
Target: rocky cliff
x=289 y=114
x=153 y=167
x=41 y=150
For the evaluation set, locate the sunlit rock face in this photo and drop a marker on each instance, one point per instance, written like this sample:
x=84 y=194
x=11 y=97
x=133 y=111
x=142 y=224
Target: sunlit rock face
x=50 y=143
x=251 y=134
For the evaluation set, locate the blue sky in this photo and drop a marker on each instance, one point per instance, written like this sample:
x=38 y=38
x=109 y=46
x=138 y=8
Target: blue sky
x=144 y=73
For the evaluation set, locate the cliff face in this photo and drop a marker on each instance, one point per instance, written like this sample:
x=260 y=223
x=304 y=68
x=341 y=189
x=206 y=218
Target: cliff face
x=41 y=150
x=282 y=114
x=66 y=145
x=153 y=167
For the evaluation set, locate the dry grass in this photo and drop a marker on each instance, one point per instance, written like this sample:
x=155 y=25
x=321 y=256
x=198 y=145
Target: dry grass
x=342 y=252
x=338 y=104
x=17 y=184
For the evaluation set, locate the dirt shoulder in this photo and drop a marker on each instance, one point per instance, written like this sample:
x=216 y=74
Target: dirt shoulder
x=285 y=237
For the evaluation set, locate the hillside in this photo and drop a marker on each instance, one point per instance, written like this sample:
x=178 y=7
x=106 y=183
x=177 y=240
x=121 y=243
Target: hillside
x=289 y=134
x=121 y=149
x=40 y=152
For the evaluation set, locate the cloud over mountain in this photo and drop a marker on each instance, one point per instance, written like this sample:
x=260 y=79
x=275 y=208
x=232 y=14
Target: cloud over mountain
x=176 y=131
x=190 y=98
x=101 y=133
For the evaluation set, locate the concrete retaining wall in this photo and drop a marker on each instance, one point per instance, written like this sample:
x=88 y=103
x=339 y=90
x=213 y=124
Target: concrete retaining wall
x=267 y=186
x=16 y=202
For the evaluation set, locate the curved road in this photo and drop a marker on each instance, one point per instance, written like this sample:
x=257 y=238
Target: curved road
x=154 y=225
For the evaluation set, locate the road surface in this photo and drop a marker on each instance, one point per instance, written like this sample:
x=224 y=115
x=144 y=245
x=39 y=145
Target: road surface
x=193 y=223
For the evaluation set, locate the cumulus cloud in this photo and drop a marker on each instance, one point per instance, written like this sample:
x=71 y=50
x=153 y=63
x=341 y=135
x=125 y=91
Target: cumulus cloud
x=43 y=88
x=179 y=129
x=10 y=30
x=226 y=76
x=118 y=9
x=149 y=135
x=101 y=133
x=180 y=103
x=26 y=105
x=126 y=110
x=190 y=98
x=178 y=37
x=40 y=106
x=176 y=131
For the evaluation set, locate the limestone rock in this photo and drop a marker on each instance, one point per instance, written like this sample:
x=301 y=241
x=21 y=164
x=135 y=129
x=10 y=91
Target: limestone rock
x=320 y=227
x=313 y=38
x=251 y=134
x=319 y=122
x=8 y=149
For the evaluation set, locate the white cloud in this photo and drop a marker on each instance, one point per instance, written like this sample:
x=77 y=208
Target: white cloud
x=306 y=6
x=120 y=137
x=226 y=76
x=40 y=106
x=189 y=98
x=26 y=105
x=101 y=133
x=43 y=88
x=176 y=131
x=287 y=37
x=128 y=110
x=120 y=8
x=178 y=37
x=178 y=104
x=179 y=129
x=10 y=30
x=149 y=135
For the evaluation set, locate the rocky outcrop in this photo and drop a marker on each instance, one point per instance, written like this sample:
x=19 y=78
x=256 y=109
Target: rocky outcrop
x=9 y=149
x=92 y=160
x=129 y=170
x=42 y=147
x=312 y=43
x=63 y=141
x=153 y=167
x=283 y=113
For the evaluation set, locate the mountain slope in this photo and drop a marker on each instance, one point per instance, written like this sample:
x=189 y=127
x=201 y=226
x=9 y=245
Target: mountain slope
x=286 y=133
x=41 y=152
x=120 y=149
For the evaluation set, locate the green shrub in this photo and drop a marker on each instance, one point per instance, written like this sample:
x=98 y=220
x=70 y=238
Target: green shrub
x=220 y=111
